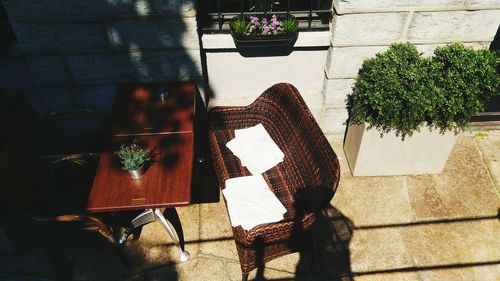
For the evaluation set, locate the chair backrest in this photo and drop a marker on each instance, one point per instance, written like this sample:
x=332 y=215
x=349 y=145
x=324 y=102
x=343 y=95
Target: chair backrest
x=292 y=125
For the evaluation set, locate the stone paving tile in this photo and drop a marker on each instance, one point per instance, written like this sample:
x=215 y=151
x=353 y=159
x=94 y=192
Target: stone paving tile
x=156 y=248
x=397 y=276
x=138 y=277
x=482 y=273
x=425 y=200
x=233 y=272
x=486 y=273
x=190 y=220
x=494 y=168
x=216 y=235
x=453 y=243
x=97 y=260
x=490 y=150
x=299 y=262
x=21 y=251
x=333 y=234
x=464 y=155
x=378 y=250
x=374 y=200
x=358 y=233
x=459 y=193
x=89 y=269
x=197 y=269
x=464 y=189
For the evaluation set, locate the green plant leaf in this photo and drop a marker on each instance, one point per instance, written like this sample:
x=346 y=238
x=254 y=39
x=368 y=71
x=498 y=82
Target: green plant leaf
x=400 y=90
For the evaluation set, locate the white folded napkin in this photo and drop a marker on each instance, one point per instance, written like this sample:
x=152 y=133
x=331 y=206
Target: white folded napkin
x=250 y=202
x=256 y=149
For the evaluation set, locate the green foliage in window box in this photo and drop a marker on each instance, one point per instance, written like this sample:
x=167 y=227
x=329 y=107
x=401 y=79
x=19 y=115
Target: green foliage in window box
x=400 y=90
x=290 y=25
x=240 y=25
x=132 y=156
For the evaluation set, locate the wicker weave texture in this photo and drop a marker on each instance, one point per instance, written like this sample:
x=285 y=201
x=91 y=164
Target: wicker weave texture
x=304 y=182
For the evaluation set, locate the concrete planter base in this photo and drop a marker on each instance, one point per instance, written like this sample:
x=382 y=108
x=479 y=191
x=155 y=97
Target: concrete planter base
x=370 y=154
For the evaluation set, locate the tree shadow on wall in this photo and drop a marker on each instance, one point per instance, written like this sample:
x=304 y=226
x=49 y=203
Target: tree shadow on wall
x=150 y=43
x=157 y=41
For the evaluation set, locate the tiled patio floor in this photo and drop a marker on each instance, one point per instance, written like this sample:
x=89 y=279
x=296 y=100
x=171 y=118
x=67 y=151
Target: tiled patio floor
x=429 y=227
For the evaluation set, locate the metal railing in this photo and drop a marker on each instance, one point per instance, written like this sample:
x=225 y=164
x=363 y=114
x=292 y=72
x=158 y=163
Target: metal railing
x=312 y=15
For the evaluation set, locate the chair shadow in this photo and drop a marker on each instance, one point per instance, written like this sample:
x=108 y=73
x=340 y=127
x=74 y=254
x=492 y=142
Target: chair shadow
x=323 y=249
x=332 y=235
x=327 y=257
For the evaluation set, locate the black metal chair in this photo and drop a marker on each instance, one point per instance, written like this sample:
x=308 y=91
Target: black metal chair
x=49 y=191
x=43 y=179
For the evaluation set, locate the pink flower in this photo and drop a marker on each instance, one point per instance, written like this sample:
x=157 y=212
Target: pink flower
x=265 y=30
x=254 y=20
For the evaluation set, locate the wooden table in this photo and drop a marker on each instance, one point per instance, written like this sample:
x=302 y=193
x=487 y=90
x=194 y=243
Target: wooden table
x=166 y=127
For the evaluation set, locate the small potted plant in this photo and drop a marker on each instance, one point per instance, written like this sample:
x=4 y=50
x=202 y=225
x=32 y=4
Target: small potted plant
x=405 y=110
x=133 y=158
x=275 y=31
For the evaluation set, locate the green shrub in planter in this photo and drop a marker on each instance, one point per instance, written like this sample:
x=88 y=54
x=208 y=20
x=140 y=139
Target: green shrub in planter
x=392 y=90
x=400 y=90
x=465 y=81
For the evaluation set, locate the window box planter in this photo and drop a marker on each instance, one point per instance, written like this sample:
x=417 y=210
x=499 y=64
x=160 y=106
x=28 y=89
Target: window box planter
x=256 y=41
x=264 y=41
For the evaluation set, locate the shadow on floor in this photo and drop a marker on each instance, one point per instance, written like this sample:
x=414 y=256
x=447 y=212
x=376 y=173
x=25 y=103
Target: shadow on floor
x=329 y=257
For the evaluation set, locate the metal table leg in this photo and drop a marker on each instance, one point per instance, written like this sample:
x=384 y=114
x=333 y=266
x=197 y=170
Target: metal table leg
x=184 y=255
x=148 y=216
x=143 y=218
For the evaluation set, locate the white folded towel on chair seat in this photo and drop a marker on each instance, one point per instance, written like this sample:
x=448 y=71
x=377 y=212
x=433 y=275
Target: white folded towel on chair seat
x=256 y=149
x=250 y=202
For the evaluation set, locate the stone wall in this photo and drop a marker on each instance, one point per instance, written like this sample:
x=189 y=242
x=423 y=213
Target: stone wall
x=79 y=50
x=362 y=28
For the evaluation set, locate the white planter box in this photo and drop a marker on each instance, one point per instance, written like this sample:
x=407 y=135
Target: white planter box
x=370 y=154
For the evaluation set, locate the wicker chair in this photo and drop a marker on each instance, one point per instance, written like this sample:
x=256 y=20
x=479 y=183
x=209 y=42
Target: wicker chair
x=304 y=182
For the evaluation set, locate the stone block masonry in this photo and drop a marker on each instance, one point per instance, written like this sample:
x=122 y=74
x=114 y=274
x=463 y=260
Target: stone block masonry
x=155 y=34
x=79 y=50
x=463 y=26
x=367 y=29
x=139 y=66
x=370 y=6
x=89 y=10
x=55 y=38
x=345 y=62
x=363 y=28
x=99 y=98
x=48 y=70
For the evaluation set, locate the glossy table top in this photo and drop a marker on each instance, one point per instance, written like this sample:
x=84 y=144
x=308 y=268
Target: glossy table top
x=138 y=109
x=163 y=126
